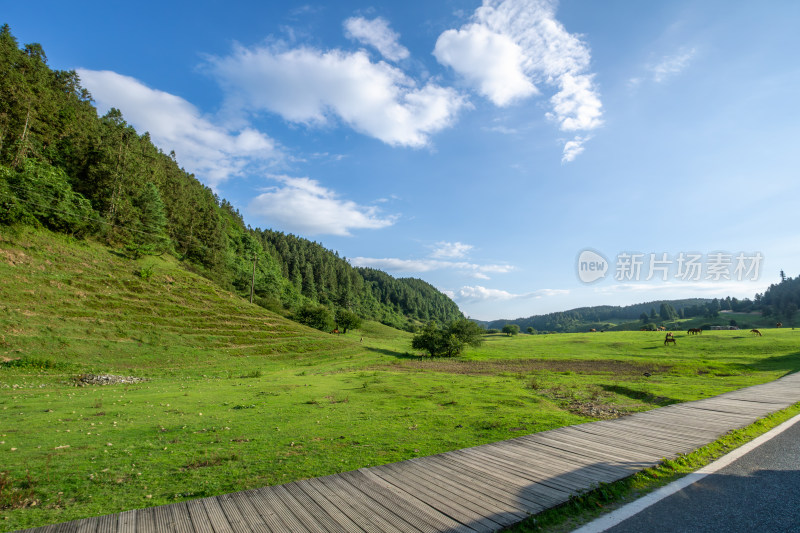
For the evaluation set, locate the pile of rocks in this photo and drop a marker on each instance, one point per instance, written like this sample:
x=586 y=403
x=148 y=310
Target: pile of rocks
x=105 y=379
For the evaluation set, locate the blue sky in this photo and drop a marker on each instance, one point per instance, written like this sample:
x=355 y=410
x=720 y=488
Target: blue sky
x=478 y=146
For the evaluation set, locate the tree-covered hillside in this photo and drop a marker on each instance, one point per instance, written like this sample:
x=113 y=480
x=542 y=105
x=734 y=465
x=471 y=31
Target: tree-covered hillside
x=65 y=169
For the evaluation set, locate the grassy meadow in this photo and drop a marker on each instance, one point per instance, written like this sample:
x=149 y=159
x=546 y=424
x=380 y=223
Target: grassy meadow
x=237 y=397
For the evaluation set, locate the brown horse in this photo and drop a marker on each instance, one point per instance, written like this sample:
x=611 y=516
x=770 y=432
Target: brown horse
x=756 y=332
x=779 y=325
x=592 y=330
x=694 y=331
x=670 y=339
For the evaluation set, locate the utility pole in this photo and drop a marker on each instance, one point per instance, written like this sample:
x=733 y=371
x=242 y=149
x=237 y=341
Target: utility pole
x=253 y=282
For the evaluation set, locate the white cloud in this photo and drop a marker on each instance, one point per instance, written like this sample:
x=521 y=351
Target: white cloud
x=491 y=61
x=378 y=34
x=671 y=65
x=573 y=148
x=427 y=265
x=309 y=86
x=451 y=250
x=213 y=153
x=303 y=206
x=510 y=46
x=482 y=294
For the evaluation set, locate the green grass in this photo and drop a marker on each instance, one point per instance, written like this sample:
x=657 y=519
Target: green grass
x=238 y=397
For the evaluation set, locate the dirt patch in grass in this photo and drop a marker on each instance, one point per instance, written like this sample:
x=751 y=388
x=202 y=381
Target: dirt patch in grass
x=522 y=366
x=595 y=410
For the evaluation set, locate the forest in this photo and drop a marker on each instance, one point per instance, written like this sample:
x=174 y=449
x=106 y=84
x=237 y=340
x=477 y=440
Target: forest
x=66 y=169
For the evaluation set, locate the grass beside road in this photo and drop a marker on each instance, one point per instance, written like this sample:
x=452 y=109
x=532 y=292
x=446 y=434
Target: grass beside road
x=237 y=397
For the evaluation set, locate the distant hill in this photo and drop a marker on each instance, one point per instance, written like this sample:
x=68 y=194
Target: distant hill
x=608 y=315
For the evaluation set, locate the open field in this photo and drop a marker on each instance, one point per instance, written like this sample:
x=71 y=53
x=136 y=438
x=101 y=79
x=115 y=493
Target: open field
x=238 y=397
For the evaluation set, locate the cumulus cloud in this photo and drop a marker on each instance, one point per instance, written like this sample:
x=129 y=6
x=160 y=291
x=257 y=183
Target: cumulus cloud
x=450 y=250
x=509 y=46
x=482 y=294
x=212 y=152
x=426 y=265
x=303 y=206
x=489 y=60
x=573 y=148
x=309 y=86
x=378 y=34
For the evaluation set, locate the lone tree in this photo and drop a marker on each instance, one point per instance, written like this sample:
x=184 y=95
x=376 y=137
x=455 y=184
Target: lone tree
x=448 y=340
x=346 y=319
x=511 y=329
x=530 y=330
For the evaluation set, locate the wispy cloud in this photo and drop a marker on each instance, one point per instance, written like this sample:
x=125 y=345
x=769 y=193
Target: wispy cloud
x=450 y=250
x=478 y=293
x=509 y=46
x=378 y=34
x=671 y=65
x=303 y=206
x=309 y=86
x=212 y=152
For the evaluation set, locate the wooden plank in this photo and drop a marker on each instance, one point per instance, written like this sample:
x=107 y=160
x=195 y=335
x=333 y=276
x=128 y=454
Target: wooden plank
x=482 y=502
x=417 y=506
x=301 y=514
x=314 y=509
x=249 y=513
x=366 y=506
x=441 y=502
x=233 y=516
x=162 y=518
x=86 y=525
x=216 y=516
x=329 y=508
x=181 y=521
x=127 y=522
x=199 y=516
x=267 y=513
x=482 y=482
x=424 y=521
x=552 y=486
x=619 y=451
x=107 y=523
x=531 y=498
x=267 y=499
x=363 y=521
x=549 y=461
x=145 y=522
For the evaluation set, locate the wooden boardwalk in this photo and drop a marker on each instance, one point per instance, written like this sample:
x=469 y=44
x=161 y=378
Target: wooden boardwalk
x=482 y=489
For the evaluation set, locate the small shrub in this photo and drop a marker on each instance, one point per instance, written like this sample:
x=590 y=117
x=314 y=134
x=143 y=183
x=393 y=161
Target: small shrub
x=146 y=272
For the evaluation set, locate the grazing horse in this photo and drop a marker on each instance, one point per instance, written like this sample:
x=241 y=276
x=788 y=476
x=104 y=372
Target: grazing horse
x=694 y=331
x=335 y=331
x=662 y=328
x=779 y=325
x=756 y=332
x=592 y=330
x=670 y=339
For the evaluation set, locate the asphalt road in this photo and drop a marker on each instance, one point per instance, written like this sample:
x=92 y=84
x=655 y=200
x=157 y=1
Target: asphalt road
x=758 y=493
